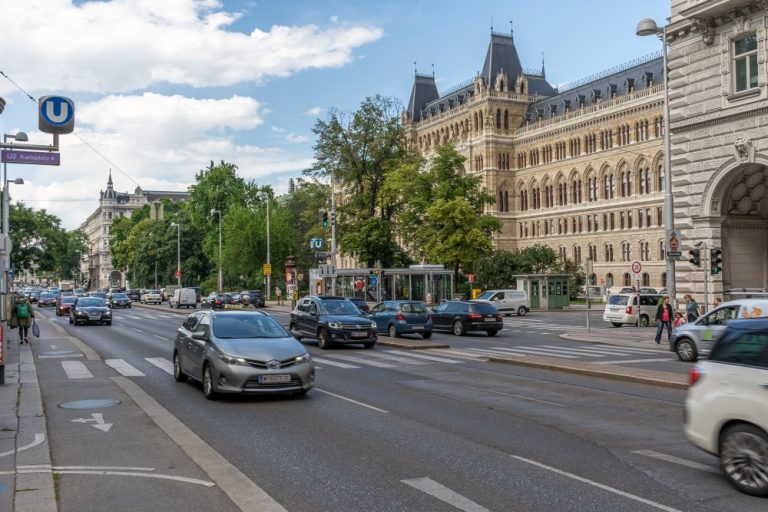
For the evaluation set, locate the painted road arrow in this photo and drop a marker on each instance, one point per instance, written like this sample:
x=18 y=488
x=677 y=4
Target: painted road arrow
x=97 y=420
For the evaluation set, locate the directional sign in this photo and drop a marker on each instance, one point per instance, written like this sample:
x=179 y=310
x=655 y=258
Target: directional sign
x=315 y=243
x=636 y=267
x=15 y=156
x=267 y=269
x=56 y=114
x=98 y=422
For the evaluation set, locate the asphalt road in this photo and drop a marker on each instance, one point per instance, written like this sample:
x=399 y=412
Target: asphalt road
x=390 y=430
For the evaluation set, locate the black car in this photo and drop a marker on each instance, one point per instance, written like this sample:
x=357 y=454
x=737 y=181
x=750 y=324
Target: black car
x=87 y=310
x=460 y=317
x=134 y=294
x=331 y=320
x=217 y=300
x=120 y=300
x=361 y=305
x=46 y=299
x=255 y=298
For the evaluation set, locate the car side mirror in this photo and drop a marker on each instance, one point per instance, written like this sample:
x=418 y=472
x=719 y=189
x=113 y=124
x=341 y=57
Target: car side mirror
x=202 y=336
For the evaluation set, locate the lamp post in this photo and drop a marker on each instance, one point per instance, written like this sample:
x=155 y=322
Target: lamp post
x=214 y=211
x=6 y=263
x=648 y=27
x=178 y=251
x=265 y=197
x=321 y=157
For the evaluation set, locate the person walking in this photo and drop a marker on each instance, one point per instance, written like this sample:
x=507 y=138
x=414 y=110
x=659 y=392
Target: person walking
x=21 y=317
x=692 y=310
x=664 y=315
x=679 y=320
x=717 y=303
x=279 y=295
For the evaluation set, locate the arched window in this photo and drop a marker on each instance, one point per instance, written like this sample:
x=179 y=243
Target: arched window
x=506 y=119
x=608 y=252
x=664 y=279
x=608 y=280
x=627 y=280
x=498 y=118
x=662 y=253
x=646 y=279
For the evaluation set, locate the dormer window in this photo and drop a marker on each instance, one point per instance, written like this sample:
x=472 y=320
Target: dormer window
x=629 y=84
x=612 y=90
x=582 y=99
x=566 y=106
x=596 y=95
x=648 y=78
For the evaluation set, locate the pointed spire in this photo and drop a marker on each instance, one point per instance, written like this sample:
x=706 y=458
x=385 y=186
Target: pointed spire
x=433 y=71
x=109 y=181
x=543 y=74
x=511 y=29
x=415 y=69
x=491 y=24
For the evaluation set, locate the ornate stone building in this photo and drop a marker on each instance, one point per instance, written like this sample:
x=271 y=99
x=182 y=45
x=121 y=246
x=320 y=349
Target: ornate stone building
x=97 y=227
x=578 y=169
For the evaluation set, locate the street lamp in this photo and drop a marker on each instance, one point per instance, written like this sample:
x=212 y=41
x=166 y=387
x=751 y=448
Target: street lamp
x=6 y=263
x=214 y=211
x=265 y=196
x=178 y=251
x=648 y=27
x=322 y=158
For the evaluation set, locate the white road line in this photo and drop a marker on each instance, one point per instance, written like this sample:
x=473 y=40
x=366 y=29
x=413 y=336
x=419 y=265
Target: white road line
x=458 y=353
x=597 y=484
x=161 y=337
x=167 y=316
x=58 y=356
x=590 y=351
x=400 y=360
x=623 y=350
x=76 y=370
x=361 y=360
x=134 y=317
x=39 y=438
x=677 y=460
x=333 y=363
x=352 y=401
x=421 y=356
x=667 y=360
x=571 y=351
x=539 y=352
x=487 y=351
x=444 y=494
x=123 y=368
x=162 y=363
x=137 y=330
x=521 y=397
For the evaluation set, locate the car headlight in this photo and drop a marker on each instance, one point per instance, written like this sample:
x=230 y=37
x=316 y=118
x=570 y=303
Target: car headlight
x=232 y=359
x=79 y=312
x=107 y=312
x=303 y=358
x=334 y=325
x=373 y=325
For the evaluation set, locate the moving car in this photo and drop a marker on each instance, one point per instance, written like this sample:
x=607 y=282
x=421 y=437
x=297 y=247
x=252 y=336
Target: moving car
x=694 y=339
x=241 y=352
x=461 y=317
x=119 y=300
x=46 y=299
x=63 y=305
x=86 y=310
x=623 y=309
x=134 y=294
x=331 y=320
x=183 y=298
x=398 y=317
x=361 y=304
x=216 y=300
x=151 y=297
x=507 y=301
x=255 y=298
x=726 y=409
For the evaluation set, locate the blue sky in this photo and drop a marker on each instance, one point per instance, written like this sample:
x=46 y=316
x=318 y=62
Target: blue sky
x=162 y=88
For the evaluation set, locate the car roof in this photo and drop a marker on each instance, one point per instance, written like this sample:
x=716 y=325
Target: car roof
x=751 y=324
x=238 y=312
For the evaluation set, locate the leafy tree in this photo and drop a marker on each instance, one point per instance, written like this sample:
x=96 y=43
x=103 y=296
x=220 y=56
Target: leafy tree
x=497 y=270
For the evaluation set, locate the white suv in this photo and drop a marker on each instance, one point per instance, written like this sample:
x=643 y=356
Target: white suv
x=726 y=410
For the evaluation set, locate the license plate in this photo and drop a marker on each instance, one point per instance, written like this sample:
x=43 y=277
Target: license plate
x=94 y=317
x=359 y=334
x=490 y=319
x=273 y=379
x=418 y=327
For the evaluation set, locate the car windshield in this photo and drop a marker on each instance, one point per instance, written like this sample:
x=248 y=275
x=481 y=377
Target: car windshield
x=46 y=296
x=90 y=302
x=618 y=300
x=68 y=300
x=119 y=296
x=485 y=296
x=338 y=307
x=247 y=327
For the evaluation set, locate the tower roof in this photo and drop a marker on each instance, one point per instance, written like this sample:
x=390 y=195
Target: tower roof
x=501 y=54
x=424 y=91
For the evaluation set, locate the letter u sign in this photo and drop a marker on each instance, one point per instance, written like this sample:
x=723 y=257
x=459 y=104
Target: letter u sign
x=56 y=114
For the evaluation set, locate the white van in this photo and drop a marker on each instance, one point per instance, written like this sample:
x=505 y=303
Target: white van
x=631 y=309
x=183 y=297
x=507 y=301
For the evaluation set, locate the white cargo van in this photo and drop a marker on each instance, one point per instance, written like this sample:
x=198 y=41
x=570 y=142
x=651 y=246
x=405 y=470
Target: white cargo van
x=183 y=297
x=507 y=301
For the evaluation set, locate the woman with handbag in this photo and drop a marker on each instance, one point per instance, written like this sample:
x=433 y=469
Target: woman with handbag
x=22 y=316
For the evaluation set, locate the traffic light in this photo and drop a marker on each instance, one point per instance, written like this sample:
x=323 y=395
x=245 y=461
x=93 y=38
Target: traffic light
x=695 y=257
x=716 y=261
x=325 y=219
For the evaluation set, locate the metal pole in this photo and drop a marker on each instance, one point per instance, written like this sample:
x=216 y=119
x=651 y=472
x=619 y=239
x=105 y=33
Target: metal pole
x=155 y=272
x=669 y=214
x=178 y=252
x=221 y=269
x=269 y=257
x=333 y=234
x=706 y=278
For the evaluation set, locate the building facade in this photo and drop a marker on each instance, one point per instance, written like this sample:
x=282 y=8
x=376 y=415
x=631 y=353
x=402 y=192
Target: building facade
x=579 y=169
x=97 y=264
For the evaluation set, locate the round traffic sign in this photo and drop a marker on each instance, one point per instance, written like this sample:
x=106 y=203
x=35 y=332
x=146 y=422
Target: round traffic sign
x=636 y=267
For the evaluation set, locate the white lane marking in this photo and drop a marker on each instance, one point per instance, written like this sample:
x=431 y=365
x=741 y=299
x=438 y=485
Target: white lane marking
x=485 y=352
x=333 y=363
x=97 y=470
x=88 y=468
x=39 y=438
x=352 y=401
x=361 y=360
x=463 y=354
x=137 y=330
x=59 y=356
x=561 y=350
x=529 y=351
x=421 y=356
x=123 y=368
x=162 y=363
x=677 y=460
x=615 y=350
x=400 y=360
x=161 y=337
x=444 y=494
x=76 y=370
x=134 y=317
x=167 y=316
x=597 y=484
x=667 y=360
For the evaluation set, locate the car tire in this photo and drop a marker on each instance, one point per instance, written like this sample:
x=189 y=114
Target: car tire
x=178 y=373
x=209 y=390
x=616 y=324
x=522 y=311
x=392 y=330
x=369 y=344
x=426 y=335
x=322 y=340
x=740 y=447
x=644 y=321
x=686 y=350
x=492 y=332
x=457 y=328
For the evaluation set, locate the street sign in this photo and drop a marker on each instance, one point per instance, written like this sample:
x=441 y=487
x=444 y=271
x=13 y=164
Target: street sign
x=16 y=156
x=326 y=270
x=177 y=274
x=315 y=243
x=636 y=267
x=56 y=114
x=471 y=278
x=267 y=269
x=636 y=277
x=673 y=246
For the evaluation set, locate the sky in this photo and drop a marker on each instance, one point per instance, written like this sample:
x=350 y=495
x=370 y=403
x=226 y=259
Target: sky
x=164 y=87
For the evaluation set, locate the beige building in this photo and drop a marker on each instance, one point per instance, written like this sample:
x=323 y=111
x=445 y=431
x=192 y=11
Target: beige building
x=579 y=169
x=97 y=264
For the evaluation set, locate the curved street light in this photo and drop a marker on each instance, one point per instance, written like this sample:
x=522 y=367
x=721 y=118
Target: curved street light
x=214 y=211
x=178 y=251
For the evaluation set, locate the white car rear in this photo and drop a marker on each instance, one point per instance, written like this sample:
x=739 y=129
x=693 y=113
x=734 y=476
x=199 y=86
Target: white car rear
x=151 y=297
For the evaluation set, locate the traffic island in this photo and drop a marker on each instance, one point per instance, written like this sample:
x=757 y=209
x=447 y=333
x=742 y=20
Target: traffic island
x=629 y=337
x=407 y=344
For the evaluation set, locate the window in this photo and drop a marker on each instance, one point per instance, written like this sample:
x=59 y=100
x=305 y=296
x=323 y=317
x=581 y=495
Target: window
x=627 y=279
x=745 y=63
x=659 y=220
x=645 y=253
x=748 y=348
x=662 y=254
x=608 y=252
x=646 y=279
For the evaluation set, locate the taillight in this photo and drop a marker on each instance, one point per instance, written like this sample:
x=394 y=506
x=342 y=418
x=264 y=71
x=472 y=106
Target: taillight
x=429 y=317
x=474 y=316
x=629 y=310
x=499 y=318
x=694 y=375
x=218 y=301
x=399 y=316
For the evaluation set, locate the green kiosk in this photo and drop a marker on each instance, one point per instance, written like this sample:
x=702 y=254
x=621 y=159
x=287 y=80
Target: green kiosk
x=546 y=291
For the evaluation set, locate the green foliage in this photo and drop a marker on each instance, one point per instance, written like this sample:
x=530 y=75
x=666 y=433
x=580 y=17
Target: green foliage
x=497 y=270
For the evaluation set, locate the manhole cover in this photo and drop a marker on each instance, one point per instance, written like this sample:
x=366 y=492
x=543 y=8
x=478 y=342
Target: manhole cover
x=90 y=404
x=56 y=353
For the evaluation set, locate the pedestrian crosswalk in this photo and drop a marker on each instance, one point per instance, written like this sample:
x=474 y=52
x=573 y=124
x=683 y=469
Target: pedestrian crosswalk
x=601 y=354
x=517 y=324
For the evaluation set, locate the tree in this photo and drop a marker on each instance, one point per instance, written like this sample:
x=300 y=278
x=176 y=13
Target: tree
x=497 y=270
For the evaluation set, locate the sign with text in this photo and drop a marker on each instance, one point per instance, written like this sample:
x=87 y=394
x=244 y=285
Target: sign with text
x=267 y=269
x=16 y=156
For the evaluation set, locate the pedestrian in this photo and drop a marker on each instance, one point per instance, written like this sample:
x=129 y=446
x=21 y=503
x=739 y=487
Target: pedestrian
x=664 y=315
x=717 y=303
x=279 y=295
x=679 y=320
x=21 y=317
x=692 y=311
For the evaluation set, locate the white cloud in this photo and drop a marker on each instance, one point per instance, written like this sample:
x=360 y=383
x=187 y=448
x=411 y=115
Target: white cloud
x=121 y=46
x=294 y=138
x=314 y=111
x=278 y=129
x=334 y=19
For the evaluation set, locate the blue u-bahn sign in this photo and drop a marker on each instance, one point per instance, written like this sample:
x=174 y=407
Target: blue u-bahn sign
x=56 y=114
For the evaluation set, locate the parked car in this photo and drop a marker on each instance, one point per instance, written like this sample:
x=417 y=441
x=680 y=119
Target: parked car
x=361 y=304
x=461 y=317
x=241 y=352
x=134 y=294
x=183 y=298
x=119 y=300
x=255 y=298
x=235 y=298
x=63 y=305
x=151 y=297
x=34 y=296
x=507 y=301
x=398 y=317
x=98 y=295
x=726 y=409
x=331 y=320
x=694 y=339
x=623 y=309
x=217 y=300
x=79 y=292
x=87 y=310
x=46 y=299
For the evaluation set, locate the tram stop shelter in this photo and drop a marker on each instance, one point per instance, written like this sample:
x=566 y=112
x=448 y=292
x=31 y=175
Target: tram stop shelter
x=546 y=291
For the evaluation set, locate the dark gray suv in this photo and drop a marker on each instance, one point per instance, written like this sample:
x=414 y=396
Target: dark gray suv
x=331 y=320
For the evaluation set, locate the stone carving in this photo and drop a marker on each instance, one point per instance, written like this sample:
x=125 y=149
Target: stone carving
x=744 y=150
x=705 y=28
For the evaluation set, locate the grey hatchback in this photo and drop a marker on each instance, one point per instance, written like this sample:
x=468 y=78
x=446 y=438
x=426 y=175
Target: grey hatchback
x=241 y=352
